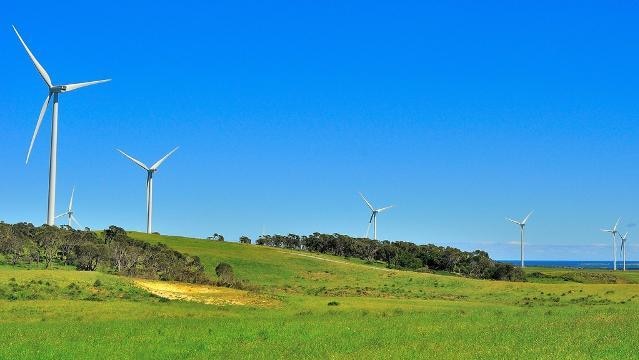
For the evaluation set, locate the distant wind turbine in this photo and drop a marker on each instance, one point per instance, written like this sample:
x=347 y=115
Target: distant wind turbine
x=522 y=225
x=54 y=90
x=149 y=184
x=69 y=212
x=623 y=238
x=373 y=218
x=614 y=233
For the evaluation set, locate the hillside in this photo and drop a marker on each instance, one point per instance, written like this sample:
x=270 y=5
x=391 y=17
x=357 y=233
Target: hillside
x=301 y=273
x=374 y=312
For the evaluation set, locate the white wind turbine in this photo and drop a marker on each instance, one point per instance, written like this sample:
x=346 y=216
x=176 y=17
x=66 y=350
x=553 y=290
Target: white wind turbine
x=54 y=90
x=614 y=233
x=373 y=218
x=149 y=184
x=522 y=225
x=623 y=238
x=69 y=213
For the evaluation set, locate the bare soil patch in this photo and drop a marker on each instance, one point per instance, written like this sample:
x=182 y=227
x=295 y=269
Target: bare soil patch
x=205 y=294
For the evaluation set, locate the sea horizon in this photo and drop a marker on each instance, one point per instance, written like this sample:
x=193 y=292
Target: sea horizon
x=576 y=264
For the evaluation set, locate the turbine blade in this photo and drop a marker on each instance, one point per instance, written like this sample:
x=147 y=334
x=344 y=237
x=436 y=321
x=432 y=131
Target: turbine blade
x=75 y=220
x=71 y=87
x=134 y=160
x=367 y=203
x=385 y=208
x=157 y=164
x=35 y=132
x=61 y=215
x=371 y=219
x=38 y=67
x=71 y=201
x=616 y=224
x=368 y=228
x=513 y=221
x=604 y=230
x=526 y=218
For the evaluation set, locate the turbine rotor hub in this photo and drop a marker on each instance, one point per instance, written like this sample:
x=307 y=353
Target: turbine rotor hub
x=56 y=89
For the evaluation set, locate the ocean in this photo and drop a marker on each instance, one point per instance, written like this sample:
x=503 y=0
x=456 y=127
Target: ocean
x=630 y=265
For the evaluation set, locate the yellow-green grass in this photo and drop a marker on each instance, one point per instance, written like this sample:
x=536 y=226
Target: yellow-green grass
x=302 y=273
x=380 y=313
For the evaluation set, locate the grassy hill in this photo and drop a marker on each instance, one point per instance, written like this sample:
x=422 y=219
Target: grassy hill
x=374 y=312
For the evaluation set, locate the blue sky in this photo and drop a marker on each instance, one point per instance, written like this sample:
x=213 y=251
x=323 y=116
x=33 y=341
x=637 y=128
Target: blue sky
x=459 y=114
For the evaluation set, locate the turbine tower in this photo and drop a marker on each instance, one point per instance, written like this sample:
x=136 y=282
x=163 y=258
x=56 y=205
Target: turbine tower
x=69 y=212
x=373 y=218
x=522 y=226
x=149 y=184
x=54 y=91
x=614 y=233
x=623 y=238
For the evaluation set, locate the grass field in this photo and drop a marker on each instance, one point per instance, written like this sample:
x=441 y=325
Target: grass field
x=374 y=312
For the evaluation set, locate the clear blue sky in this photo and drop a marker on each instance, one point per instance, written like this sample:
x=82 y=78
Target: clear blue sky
x=459 y=114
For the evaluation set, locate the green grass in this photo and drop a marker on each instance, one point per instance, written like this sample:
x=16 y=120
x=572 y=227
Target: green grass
x=380 y=313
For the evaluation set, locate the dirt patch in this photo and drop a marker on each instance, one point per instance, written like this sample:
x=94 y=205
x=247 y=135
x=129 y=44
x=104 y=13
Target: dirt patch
x=316 y=275
x=205 y=294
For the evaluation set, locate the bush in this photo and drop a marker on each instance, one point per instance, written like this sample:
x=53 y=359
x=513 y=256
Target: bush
x=333 y=303
x=223 y=269
x=225 y=275
x=114 y=252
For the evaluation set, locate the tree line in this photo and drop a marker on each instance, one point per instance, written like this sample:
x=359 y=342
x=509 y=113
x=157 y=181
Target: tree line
x=112 y=251
x=400 y=254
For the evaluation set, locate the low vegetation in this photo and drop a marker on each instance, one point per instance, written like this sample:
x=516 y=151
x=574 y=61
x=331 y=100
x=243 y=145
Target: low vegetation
x=18 y=284
x=400 y=254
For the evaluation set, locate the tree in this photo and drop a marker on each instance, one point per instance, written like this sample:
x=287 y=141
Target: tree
x=88 y=255
x=11 y=245
x=245 y=240
x=399 y=254
x=387 y=252
x=49 y=239
x=115 y=252
x=114 y=233
x=216 y=237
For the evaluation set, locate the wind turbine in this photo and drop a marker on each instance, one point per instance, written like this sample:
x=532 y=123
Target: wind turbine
x=54 y=91
x=373 y=218
x=614 y=233
x=623 y=238
x=149 y=184
x=69 y=212
x=522 y=225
